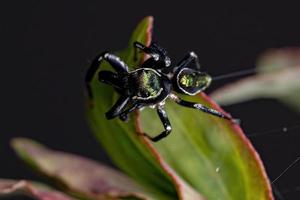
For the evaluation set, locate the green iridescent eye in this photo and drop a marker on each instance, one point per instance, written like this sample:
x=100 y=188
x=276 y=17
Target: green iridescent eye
x=192 y=82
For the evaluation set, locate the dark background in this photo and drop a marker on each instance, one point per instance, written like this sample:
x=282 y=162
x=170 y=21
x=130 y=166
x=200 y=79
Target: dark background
x=46 y=47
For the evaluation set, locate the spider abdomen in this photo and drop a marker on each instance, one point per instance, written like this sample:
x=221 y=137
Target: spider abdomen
x=191 y=82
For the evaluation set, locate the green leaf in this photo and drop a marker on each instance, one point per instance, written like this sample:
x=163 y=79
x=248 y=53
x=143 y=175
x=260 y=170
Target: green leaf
x=36 y=190
x=278 y=77
x=212 y=155
x=120 y=140
x=77 y=175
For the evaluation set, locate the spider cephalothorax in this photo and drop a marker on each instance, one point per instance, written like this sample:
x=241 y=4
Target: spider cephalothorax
x=152 y=83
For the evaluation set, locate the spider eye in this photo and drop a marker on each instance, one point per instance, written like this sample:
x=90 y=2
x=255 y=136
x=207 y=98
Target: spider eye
x=192 y=82
x=167 y=61
x=155 y=56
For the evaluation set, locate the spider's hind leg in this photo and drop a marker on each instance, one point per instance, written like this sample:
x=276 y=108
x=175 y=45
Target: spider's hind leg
x=134 y=106
x=117 y=108
x=110 y=78
x=114 y=61
x=166 y=123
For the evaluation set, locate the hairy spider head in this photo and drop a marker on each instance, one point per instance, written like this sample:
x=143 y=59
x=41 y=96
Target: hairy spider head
x=191 y=82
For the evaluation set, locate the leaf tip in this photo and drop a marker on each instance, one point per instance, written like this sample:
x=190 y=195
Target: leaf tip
x=17 y=143
x=26 y=149
x=149 y=19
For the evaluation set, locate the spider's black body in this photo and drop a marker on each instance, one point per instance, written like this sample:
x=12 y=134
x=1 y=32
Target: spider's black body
x=147 y=86
x=152 y=83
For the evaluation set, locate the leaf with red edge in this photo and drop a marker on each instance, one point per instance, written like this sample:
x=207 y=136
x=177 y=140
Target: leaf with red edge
x=32 y=189
x=211 y=154
x=123 y=144
x=278 y=77
x=79 y=176
x=203 y=157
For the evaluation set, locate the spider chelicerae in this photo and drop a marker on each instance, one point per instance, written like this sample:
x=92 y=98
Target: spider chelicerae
x=151 y=84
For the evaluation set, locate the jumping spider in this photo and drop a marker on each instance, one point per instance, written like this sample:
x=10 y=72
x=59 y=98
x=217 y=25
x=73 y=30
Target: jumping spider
x=152 y=83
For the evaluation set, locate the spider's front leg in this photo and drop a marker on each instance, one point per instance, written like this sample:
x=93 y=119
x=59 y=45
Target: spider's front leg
x=124 y=114
x=143 y=48
x=136 y=46
x=110 y=78
x=158 y=56
x=166 y=123
x=202 y=108
x=114 y=61
x=150 y=62
x=189 y=58
x=118 y=107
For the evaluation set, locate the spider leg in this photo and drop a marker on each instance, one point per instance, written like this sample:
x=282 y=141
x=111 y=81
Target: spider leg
x=149 y=63
x=187 y=59
x=201 y=107
x=114 y=61
x=152 y=50
x=140 y=46
x=166 y=123
x=117 y=107
x=124 y=115
x=153 y=61
x=110 y=78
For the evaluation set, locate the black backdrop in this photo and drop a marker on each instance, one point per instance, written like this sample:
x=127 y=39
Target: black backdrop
x=46 y=47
